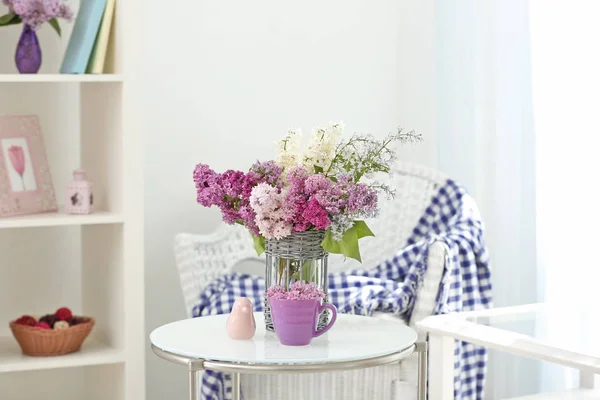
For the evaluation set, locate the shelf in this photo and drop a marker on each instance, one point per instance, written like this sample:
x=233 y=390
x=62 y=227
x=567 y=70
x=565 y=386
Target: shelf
x=60 y=219
x=92 y=353
x=83 y=78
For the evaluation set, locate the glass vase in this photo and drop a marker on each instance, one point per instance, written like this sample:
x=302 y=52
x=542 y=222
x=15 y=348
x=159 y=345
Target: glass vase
x=28 y=57
x=298 y=257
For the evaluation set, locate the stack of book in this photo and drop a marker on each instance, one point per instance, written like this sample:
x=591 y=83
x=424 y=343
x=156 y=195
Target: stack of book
x=87 y=48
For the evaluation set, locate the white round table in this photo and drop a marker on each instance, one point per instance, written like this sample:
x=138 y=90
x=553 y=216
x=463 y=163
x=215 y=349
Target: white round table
x=353 y=342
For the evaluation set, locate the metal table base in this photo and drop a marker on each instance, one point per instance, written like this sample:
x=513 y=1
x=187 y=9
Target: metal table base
x=236 y=369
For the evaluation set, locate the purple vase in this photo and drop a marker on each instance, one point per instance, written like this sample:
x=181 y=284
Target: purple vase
x=29 y=54
x=295 y=321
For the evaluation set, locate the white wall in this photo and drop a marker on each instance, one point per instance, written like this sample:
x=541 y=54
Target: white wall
x=229 y=79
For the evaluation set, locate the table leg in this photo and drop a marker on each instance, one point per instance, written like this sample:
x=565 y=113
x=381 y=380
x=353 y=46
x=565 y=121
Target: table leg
x=193 y=384
x=587 y=380
x=193 y=367
x=236 y=386
x=441 y=370
x=422 y=388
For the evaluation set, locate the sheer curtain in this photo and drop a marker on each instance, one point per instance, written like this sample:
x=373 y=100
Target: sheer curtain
x=518 y=95
x=566 y=94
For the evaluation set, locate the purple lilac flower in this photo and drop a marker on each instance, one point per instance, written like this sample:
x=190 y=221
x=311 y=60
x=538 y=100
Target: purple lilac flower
x=362 y=200
x=232 y=183
x=36 y=12
x=298 y=291
x=248 y=216
x=268 y=171
x=230 y=215
x=250 y=181
x=333 y=200
x=317 y=183
x=208 y=189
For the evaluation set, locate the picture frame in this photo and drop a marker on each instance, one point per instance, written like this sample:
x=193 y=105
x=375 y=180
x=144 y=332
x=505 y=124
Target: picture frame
x=25 y=180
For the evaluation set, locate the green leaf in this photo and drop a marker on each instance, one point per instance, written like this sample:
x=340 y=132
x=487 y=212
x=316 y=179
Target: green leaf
x=10 y=19
x=54 y=23
x=348 y=246
x=318 y=169
x=259 y=244
x=362 y=229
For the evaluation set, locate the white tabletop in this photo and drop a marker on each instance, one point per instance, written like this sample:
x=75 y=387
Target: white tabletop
x=352 y=338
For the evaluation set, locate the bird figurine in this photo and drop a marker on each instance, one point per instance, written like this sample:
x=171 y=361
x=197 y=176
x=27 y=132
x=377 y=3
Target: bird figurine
x=240 y=322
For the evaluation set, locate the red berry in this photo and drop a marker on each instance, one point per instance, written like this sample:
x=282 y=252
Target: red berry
x=64 y=314
x=26 y=320
x=42 y=325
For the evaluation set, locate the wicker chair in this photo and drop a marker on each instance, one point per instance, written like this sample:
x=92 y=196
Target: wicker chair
x=203 y=258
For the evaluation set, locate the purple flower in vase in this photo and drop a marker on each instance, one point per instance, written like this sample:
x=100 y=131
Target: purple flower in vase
x=17 y=159
x=32 y=14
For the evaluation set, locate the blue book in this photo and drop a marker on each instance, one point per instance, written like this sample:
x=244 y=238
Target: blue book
x=83 y=37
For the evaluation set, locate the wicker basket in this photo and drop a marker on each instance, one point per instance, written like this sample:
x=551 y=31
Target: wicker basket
x=50 y=342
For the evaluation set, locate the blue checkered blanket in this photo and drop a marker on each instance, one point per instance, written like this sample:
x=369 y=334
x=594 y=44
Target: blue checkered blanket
x=392 y=286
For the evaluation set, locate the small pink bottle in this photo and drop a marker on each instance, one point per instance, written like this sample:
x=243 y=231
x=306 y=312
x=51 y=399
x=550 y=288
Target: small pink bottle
x=79 y=195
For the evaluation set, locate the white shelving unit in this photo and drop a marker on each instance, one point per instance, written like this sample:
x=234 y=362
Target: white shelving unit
x=8 y=78
x=90 y=263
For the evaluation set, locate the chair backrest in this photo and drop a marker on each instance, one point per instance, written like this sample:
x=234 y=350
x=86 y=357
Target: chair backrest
x=203 y=258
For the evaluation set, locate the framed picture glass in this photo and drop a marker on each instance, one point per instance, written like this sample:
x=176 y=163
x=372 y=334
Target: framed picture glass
x=25 y=180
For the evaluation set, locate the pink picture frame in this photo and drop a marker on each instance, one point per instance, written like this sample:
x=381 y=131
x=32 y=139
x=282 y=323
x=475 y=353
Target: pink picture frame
x=25 y=179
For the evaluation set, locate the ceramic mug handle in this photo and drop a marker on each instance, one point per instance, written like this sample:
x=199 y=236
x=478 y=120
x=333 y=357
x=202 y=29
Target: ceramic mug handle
x=333 y=318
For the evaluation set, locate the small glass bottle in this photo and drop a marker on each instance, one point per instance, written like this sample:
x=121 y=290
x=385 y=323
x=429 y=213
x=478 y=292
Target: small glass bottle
x=79 y=195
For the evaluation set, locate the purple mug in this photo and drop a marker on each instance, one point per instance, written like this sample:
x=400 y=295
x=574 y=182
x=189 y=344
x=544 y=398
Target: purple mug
x=295 y=321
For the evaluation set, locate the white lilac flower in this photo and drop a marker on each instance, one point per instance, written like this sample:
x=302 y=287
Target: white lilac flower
x=322 y=147
x=288 y=150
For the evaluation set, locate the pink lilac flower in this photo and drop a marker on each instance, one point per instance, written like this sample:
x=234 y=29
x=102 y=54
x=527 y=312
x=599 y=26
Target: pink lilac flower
x=271 y=217
x=316 y=215
x=295 y=202
x=298 y=291
x=264 y=198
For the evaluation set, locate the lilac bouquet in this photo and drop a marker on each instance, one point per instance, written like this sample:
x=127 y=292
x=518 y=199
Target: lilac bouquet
x=297 y=291
x=331 y=187
x=34 y=13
